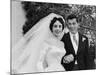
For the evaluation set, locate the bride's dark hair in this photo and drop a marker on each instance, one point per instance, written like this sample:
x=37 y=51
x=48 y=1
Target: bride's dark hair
x=54 y=20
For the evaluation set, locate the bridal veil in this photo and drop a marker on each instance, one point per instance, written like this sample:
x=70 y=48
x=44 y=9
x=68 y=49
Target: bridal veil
x=25 y=53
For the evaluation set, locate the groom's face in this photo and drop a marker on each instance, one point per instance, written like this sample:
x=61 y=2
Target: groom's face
x=57 y=28
x=73 y=25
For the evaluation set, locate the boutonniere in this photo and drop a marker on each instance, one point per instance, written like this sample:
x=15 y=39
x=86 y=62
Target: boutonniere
x=83 y=39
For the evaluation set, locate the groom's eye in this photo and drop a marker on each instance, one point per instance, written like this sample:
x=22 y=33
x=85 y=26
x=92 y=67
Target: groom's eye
x=74 y=23
x=69 y=23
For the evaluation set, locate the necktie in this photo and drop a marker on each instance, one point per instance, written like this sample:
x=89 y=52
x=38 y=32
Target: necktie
x=75 y=40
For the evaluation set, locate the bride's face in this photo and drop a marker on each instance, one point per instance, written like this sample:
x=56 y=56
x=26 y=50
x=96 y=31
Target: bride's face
x=57 y=28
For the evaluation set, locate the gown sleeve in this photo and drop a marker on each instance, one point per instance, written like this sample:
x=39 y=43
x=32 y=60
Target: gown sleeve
x=42 y=63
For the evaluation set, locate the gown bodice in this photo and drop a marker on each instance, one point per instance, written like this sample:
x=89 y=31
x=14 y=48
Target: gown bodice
x=53 y=54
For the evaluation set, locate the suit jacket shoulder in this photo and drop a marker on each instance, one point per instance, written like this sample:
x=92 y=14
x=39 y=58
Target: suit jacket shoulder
x=65 y=36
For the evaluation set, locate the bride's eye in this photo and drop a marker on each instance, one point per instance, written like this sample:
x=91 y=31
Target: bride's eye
x=60 y=26
x=55 y=26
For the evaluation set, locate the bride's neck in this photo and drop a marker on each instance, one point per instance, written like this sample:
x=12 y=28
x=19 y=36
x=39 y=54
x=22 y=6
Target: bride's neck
x=56 y=41
x=56 y=37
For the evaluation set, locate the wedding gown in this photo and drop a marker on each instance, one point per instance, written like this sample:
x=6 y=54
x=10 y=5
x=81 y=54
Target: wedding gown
x=52 y=55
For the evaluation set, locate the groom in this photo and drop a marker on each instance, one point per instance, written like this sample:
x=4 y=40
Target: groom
x=76 y=46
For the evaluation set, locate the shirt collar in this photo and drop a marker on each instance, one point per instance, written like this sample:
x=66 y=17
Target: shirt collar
x=77 y=34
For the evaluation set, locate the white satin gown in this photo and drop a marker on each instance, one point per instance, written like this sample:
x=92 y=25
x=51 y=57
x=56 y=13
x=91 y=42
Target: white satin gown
x=50 y=59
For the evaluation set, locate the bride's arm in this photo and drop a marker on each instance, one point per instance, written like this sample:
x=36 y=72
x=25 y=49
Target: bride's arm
x=42 y=63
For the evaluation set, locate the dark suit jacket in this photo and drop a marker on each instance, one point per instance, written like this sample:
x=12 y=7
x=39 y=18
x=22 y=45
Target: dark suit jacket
x=82 y=57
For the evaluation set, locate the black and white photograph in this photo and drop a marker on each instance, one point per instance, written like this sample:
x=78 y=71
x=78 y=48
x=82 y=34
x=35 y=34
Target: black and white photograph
x=52 y=37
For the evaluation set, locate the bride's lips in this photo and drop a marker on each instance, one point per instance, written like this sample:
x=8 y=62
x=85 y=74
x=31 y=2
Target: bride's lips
x=57 y=31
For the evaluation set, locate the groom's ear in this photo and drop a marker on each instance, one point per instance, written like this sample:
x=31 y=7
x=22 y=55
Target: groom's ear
x=78 y=25
x=65 y=24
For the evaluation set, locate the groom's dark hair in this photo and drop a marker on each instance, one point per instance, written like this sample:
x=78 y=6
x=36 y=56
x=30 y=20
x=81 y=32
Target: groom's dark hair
x=54 y=20
x=72 y=16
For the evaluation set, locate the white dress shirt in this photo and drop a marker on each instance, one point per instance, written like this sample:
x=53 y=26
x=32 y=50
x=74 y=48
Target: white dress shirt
x=75 y=46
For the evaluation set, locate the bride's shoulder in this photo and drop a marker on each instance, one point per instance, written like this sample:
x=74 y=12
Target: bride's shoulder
x=47 y=45
x=50 y=46
x=60 y=44
x=53 y=43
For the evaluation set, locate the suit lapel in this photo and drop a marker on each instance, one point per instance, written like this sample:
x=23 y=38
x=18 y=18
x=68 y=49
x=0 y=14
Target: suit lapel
x=70 y=44
x=80 y=43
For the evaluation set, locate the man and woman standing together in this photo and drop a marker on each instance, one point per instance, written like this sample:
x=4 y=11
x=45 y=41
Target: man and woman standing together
x=76 y=46
x=46 y=48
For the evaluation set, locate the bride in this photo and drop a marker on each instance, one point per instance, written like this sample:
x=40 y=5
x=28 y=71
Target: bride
x=40 y=50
